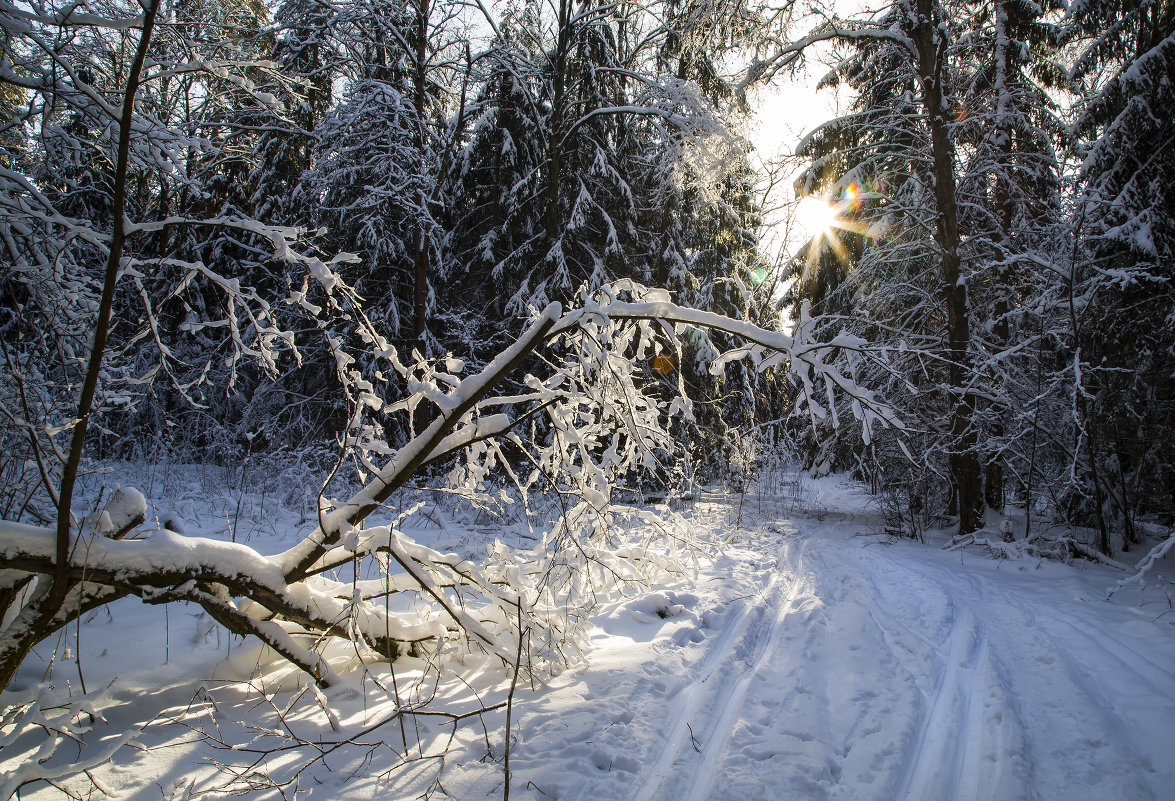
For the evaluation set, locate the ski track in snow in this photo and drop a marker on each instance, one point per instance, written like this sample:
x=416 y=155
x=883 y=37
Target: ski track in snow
x=865 y=671
x=806 y=664
x=745 y=649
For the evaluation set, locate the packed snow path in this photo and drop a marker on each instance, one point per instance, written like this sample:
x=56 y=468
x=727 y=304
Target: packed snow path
x=808 y=661
x=829 y=666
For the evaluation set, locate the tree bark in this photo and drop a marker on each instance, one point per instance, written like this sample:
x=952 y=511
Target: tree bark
x=964 y=461
x=555 y=129
x=993 y=488
x=421 y=246
x=60 y=583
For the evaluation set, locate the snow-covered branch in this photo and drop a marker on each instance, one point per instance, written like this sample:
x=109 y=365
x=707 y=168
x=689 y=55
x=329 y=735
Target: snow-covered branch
x=606 y=420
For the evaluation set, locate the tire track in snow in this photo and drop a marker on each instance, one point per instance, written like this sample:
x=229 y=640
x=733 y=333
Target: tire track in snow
x=745 y=642
x=1122 y=697
x=1128 y=660
x=886 y=674
x=1017 y=726
x=722 y=728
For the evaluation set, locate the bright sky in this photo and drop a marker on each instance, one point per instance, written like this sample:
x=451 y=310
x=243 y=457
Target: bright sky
x=788 y=111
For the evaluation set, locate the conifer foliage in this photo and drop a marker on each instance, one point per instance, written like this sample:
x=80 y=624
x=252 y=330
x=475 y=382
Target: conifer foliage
x=962 y=240
x=226 y=234
x=504 y=249
x=1123 y=307
x=458 y=173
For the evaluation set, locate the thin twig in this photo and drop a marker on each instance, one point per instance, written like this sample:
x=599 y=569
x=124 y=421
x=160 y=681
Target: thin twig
x=510 y=706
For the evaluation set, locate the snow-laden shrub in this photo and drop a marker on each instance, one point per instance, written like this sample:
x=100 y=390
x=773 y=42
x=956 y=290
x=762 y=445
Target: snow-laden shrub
x=602 y=424
x=604 y=420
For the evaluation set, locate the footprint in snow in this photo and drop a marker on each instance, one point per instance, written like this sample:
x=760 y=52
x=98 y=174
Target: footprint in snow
x=608 y=762
x=655 y=607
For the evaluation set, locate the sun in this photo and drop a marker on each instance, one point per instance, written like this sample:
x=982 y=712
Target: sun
x=816 y=217
x=820 y=220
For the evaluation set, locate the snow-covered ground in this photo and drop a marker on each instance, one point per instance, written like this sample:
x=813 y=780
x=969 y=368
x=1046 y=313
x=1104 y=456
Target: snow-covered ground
x=810 y=659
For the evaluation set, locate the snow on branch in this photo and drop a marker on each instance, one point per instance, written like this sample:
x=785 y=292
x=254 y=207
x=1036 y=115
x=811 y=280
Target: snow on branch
x=1144 y=565
x=590 y=416
x=594 y=419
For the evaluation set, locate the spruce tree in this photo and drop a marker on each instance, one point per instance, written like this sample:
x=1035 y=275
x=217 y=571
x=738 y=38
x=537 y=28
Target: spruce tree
x=941 y=172
x=1123 y=299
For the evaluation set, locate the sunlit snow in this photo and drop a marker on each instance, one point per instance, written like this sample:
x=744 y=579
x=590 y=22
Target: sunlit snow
x=808 y=658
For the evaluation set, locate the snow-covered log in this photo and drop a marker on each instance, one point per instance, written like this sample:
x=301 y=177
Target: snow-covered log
x=605 y=420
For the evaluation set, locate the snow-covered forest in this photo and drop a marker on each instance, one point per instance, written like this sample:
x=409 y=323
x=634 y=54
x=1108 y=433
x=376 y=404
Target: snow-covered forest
x=402 y=398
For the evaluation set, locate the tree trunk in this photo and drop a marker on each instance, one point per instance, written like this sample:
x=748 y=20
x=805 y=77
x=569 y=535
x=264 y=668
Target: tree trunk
x=555 y=129
x=40 y=614
x=421 y=256
x=1001 y=330
x=964 y=461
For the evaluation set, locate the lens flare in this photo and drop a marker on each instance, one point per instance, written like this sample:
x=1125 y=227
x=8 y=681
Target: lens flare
x=822 y=220
x=850 y=198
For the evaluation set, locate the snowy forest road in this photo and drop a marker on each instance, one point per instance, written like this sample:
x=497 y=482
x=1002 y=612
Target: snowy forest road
x=804 y=660
x=844 y=668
